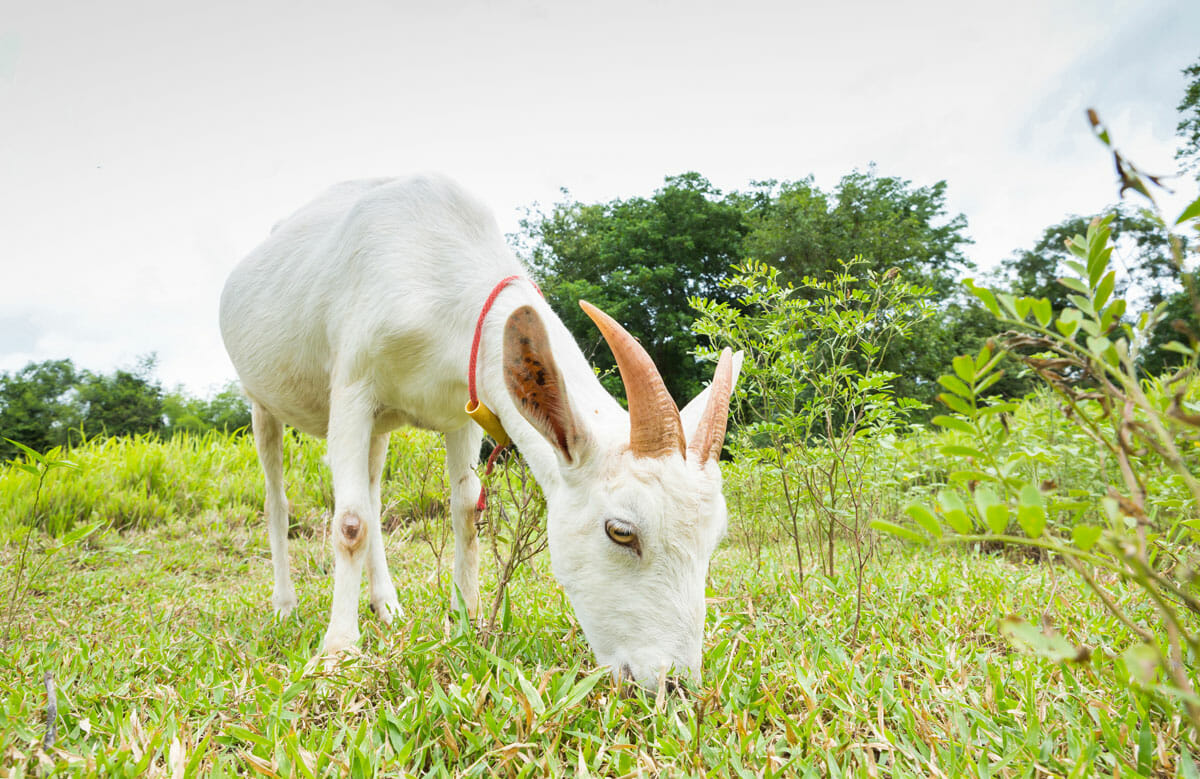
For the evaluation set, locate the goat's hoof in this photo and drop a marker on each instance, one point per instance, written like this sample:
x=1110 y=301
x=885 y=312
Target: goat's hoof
x=284 y=605
x=387 y=609
x=339 y=642
x=331 y=660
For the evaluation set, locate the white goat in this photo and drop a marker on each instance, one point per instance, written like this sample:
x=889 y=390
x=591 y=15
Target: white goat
x=356 y=316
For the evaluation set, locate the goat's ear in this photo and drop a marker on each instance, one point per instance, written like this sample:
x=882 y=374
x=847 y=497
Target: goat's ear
x=700 y=424
x=536 y=386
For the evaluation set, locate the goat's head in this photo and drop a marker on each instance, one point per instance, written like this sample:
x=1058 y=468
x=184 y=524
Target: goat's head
x=636 y=510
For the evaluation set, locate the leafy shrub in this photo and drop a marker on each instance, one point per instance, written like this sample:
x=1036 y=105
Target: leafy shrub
x=1138 y=518
x=816 y=397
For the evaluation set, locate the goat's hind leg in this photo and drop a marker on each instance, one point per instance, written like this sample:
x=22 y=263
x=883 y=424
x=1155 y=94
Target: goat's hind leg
x=462 y=453
x=268 y=439
x=351 y=417
x=384 y=602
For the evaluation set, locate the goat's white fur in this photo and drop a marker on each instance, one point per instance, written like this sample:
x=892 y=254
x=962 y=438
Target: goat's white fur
x=356 y=316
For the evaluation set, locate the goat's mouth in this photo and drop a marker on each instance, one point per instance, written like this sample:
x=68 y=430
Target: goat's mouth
x=663 y=683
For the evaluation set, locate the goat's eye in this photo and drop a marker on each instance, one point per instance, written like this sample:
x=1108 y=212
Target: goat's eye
x=620 y=532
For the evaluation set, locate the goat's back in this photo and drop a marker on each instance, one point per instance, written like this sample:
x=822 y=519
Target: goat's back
x=376 y=283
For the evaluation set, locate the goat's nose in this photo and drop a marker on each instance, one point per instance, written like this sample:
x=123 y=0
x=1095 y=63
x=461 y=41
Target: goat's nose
x=626 y=673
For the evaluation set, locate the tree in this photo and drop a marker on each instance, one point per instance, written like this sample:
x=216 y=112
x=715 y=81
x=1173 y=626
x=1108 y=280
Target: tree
x=640 y=260
x=885 y=220
x=1180 y=322
x=1188 y=128
x=226 y=411
x=123 y=402
x=37 y=406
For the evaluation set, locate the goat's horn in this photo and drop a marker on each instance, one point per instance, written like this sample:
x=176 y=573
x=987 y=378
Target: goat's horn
x=654 y=426
x=710 y=433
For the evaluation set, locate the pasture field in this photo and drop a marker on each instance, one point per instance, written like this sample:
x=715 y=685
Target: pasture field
x=156 y=628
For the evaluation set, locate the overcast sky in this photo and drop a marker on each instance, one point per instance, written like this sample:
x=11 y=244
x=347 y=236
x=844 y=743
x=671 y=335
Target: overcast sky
x=146 y=146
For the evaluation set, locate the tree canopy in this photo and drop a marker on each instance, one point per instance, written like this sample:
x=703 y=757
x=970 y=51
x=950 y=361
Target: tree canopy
x=884 y=219
x=1188 y=129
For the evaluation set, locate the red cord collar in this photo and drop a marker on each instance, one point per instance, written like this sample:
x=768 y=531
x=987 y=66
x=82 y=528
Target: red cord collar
x=474 y=407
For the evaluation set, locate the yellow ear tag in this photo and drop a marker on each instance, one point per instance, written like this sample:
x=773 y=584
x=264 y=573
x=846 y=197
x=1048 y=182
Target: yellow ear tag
x=484 y=417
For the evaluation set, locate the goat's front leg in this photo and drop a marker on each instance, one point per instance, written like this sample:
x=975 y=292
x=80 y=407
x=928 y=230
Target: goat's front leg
x=380 y=586
x=462 y=453
x=351 y=418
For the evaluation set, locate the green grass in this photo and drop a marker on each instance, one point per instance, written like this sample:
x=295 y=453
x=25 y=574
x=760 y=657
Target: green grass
x=164 y=651
x=168 y=663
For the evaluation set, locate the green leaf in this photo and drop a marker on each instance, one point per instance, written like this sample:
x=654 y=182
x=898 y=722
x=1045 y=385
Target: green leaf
x=1068 y=321
x=1142 y=661
x=1051 y=646
x=1083 y=304
x=954 y=423
x=1024 y=304
x=992 y=509
x=1032 y=520
x=1098 y=255
x=964 y=366
x=1111 y=314
x=1098 y=345
x=1085 y=536
x=984 y=384
x=955 y=385
x=925 y=518
x=581 y=688
x=80 y=533
x=968 y=475
x=955 y=512
x=984 y=359
x=956 y=403
x=1031 y=511
x=1043 y=311
x=997 y=408
x=985 y=296
x=1067 y=328
x=908 y=534
x=1031 y=496
x=32 y=455
x=960 y=450
x=1074 y=284
x=1175 y=346
x=1009 y=302
x=1191 y=212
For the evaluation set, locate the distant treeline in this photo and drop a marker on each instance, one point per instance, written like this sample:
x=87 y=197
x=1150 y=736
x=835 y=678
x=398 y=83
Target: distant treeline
x=54 y=403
